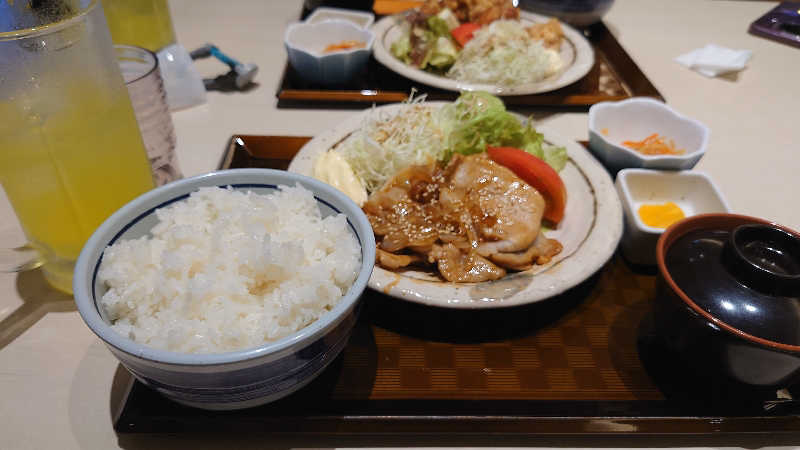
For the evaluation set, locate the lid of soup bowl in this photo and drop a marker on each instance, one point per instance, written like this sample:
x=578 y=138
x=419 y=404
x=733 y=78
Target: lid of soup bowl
x=741 y=273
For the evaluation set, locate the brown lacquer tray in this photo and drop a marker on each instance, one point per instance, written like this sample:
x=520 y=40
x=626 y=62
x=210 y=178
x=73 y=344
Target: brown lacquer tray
x=584 y=362
x=614 y=76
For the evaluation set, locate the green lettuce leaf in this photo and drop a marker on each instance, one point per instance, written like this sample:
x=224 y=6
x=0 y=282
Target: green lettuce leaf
x=479 y=119
x=438 y=26
x=555 y=157
x=444 y=53
x=401 y=48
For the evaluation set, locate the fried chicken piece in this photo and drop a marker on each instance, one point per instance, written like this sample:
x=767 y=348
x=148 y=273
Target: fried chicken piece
x=484 y=12
x=550 y=33
x=460 y=8
x=481 y=12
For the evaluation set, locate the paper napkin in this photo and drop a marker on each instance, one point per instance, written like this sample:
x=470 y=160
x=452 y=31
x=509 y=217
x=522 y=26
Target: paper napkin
x=713 y=60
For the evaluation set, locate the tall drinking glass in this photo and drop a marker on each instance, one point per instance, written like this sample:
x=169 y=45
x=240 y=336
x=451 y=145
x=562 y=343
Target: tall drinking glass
x=141 y=23
x=70 y=148
x=142 y=77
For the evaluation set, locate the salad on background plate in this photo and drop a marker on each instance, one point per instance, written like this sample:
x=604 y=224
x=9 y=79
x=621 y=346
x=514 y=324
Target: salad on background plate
x=482 y=45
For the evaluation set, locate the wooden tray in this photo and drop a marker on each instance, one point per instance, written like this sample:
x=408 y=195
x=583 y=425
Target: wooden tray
x=584 y=362
x=614 y=77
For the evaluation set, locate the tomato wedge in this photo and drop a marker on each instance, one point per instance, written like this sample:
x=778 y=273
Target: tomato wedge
x=463 y=33
x=536 y=173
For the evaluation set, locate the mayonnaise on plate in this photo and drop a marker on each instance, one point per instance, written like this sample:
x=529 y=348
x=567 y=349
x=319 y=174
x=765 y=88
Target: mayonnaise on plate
x=334 y=170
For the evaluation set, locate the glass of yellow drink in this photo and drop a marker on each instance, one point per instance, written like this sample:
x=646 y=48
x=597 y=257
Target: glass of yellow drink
x=141 y=23
x=70 y=148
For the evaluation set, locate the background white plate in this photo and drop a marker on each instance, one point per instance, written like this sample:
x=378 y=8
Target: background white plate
x=576 y=52
x=589 y=232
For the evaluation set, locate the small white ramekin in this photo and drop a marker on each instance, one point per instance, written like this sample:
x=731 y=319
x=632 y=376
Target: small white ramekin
x=611 y=123
x=694 y=192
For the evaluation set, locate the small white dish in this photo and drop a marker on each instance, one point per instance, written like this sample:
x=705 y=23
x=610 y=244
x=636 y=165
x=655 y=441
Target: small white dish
x=694 y=192
x=362 y=19
x=305 y=44
x=634 y=119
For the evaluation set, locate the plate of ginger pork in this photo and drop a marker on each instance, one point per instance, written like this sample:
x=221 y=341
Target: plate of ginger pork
x=472 y=206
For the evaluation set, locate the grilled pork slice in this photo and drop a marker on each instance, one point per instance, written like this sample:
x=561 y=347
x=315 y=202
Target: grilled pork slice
x=472 y=220
x=506 y=211
x=540 y=252
x=464 y=266
x=393 y=261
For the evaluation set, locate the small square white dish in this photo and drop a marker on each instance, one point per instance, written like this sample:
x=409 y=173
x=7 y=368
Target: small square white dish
x=693 y=192
x=362 y=19
x=634 y=119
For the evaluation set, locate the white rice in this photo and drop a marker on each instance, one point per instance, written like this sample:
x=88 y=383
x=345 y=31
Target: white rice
x=227 y=270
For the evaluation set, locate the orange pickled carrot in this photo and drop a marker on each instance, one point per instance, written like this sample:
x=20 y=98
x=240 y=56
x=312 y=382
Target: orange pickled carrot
x=654 y=145
x=344 y=45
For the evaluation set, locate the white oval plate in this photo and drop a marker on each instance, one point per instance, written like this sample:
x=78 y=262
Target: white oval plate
x=576 y=52
x=589 y=233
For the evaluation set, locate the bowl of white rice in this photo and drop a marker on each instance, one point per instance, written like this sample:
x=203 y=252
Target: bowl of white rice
x=227 y=290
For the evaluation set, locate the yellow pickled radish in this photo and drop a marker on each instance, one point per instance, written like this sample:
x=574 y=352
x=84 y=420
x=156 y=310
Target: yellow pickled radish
x=660 y=216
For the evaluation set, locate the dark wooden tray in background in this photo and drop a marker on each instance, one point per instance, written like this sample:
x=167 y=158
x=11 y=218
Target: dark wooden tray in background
x=614 y=76
x=581 y=363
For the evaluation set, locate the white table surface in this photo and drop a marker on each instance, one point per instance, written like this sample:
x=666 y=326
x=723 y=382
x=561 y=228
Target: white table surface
x=56 y=376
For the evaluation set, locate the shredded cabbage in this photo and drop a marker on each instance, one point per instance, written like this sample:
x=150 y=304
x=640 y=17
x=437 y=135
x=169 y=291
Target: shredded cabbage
x=386 y=144
x=504 y=54
x=418 y=134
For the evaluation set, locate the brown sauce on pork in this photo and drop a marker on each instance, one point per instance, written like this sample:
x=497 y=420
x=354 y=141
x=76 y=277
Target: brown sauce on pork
x=472 y=220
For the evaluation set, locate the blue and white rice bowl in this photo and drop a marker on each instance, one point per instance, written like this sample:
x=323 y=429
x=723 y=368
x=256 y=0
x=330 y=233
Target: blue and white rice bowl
x=233 y=379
